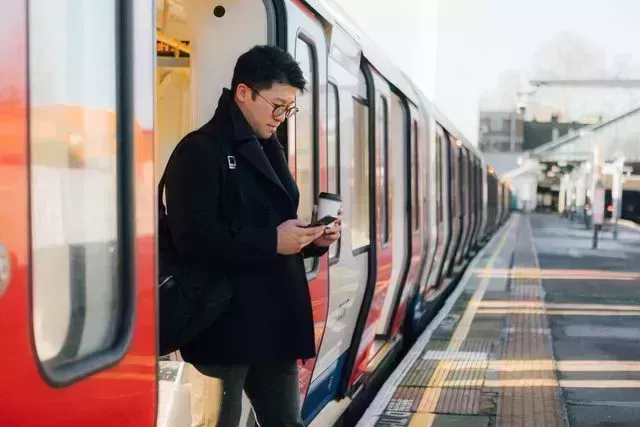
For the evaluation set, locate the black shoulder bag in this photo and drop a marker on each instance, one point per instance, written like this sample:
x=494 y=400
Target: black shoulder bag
x=191 y=297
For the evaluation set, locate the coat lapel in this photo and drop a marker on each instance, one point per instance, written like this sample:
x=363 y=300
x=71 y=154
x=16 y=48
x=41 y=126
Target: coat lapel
x=275 y=153
x=231 y=121
x=252 y=151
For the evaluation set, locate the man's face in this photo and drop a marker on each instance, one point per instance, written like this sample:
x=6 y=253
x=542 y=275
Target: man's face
x=258 y=106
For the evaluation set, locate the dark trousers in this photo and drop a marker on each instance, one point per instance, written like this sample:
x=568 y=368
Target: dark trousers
x=272 y=389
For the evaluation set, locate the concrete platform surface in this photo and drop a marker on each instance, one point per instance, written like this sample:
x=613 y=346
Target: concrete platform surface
x=542 y=331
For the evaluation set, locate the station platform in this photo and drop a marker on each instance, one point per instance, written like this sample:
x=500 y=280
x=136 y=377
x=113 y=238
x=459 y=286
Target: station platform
x=541 y=331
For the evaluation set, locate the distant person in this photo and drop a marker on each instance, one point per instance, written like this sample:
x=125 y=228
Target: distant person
x=257 y=240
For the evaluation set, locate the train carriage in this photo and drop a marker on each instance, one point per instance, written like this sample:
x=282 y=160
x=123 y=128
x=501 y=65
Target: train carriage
x=94 y=100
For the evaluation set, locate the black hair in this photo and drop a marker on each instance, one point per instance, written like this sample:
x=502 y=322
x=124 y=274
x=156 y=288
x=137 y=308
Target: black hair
x=262 y=66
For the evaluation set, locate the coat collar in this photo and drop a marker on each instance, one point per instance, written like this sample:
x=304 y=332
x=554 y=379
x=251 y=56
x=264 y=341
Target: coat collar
x=278 y=160
x=267 y=156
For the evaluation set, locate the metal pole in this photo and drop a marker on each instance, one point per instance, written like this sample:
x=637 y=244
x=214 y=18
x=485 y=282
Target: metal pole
x=616 y=193
x=597 y=194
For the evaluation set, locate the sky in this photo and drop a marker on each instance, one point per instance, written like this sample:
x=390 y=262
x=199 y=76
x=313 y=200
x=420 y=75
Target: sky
x=516 y=29
x=457 y=50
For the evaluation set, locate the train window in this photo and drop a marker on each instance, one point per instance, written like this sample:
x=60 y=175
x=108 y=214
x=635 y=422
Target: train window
x=78 y=302
x=415 y=177
x=333 y=140
x=460 y=181
x=383 y=126
x=469 y=182
x=360 y=234
x=472 y=186
x=333 y=151
x=439 y=161
x=305 y=138
x=425 y=194
x=453 y=172
x=464 y=173
x=455 y=188
x=478 y=185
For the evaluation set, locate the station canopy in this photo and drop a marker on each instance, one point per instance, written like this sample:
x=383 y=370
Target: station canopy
x=619 y=136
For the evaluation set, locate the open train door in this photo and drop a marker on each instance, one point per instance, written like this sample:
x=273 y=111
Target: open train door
x=77 y=246
x=307 y=152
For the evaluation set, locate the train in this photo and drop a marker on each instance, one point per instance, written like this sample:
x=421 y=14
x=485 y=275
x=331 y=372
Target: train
x=629 y=204
x=94 y=98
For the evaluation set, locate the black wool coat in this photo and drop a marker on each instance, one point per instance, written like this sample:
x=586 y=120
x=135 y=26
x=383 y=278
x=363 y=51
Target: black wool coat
x=223 y=216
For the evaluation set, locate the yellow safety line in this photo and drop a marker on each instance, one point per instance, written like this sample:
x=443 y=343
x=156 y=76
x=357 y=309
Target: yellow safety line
x=438 y=378
x=422 y=419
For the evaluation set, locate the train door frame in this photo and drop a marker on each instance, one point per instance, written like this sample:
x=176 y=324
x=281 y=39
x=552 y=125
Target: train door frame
x=443 y=208
x=408 y=313
x=365 y=353
x=468 y=188
x=420 y=238
x=455 y=203
x=393 y=311
x=306 y=27
x=484 y=208
x=350 y=380
x=476 y=209
x=464 y=205
x=331 y=378
x=492 y=193
x=479 y=204
x=433 y=236
x=499 y=201
x=472 y=206
x=75 y=373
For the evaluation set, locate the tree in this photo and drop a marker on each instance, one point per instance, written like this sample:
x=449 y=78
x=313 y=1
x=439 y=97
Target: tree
x=503 y=95
x=624 y=67
x=568 y=56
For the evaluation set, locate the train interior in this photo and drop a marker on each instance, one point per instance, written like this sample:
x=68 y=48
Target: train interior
x=196 y=51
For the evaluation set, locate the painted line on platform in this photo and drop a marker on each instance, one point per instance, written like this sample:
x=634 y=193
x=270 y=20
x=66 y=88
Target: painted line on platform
x=379 y=404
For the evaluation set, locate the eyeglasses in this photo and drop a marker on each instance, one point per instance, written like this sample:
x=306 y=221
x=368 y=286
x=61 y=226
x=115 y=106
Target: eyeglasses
x=278 y=110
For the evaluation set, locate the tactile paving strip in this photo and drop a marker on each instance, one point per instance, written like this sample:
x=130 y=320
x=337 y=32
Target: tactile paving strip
x=419 y=374
x=527 y=381
x=444 y=380
x=406 y=399
x=464 y=401
x=502 y=365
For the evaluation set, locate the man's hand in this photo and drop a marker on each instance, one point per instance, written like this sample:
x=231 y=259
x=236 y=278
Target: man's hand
x=331 y=234
x=293 y=237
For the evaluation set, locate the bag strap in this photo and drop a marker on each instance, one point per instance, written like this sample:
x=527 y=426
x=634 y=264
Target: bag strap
x=161 y=207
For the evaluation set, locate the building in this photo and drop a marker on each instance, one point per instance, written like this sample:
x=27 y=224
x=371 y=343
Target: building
x=537 y=133
x=504 y=136
x=557 y=174
x=501 y=139
x=501 y=132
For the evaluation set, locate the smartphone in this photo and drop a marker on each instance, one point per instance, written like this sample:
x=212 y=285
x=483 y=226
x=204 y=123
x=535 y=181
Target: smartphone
x=325 y=220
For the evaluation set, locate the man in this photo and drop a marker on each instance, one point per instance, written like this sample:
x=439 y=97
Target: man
x=232 y=206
